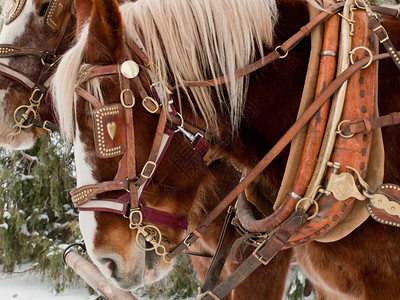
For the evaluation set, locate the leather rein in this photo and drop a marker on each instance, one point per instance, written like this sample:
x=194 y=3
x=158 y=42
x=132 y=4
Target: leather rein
x=56 y=20
x=128 y=179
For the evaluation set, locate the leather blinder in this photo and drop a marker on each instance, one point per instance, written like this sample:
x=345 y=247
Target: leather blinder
x=55 y=14
x=109 y=130
x=12 y=9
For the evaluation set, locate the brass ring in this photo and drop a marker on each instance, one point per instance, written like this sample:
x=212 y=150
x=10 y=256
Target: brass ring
x=352 y=52
x=282 y=56
x=312 y=202
x=339 y=131
x=24 y=116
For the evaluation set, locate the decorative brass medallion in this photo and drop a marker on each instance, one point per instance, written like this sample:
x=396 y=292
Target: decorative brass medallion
x=11 y=10
x=129 y=69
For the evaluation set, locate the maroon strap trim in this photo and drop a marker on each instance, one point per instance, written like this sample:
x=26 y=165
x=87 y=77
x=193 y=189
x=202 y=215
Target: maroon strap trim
x=9 y=72
x=150 y=215
x=201 y=145
x=163 y=218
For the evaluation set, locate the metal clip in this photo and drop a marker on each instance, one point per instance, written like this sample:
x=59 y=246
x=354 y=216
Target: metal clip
x=190 y=136
x=185 y=241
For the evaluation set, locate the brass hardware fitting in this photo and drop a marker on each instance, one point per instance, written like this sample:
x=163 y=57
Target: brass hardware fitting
x=150 y=233
x=122 y=98
x=284 y=55
x=339 y=130
x=352 y=52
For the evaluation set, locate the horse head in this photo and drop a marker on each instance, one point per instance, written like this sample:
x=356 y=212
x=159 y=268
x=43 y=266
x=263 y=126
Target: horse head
x=34 y=35
x=119 y=248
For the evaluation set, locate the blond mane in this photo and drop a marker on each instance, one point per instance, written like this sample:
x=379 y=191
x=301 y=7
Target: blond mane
x=200 y=40
x=186 y=40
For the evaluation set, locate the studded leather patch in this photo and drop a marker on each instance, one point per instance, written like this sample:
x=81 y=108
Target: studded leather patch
x=54 y=15
x=109 y=128
x=384 y=206
x=12 y=9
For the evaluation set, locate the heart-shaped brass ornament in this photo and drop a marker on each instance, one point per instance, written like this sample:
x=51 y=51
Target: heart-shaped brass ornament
x=111 y=129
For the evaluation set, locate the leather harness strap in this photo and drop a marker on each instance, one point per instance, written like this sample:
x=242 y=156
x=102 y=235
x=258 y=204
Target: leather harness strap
x=366 y=125
x=262 y=255
x=275 y=150
x=220 y=256
x=282 y=234
x=316 y=130
x=288 y=45
x=279 y=52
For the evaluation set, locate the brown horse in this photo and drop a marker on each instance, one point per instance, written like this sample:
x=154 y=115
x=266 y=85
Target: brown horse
x=32 y=39
x=29 y=28
x=189 y=43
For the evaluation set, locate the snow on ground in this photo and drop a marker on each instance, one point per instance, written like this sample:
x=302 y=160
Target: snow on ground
x=24 y=286
x=29 y=287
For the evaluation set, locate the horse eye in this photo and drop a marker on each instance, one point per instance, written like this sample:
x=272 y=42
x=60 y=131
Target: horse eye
x=43 y=10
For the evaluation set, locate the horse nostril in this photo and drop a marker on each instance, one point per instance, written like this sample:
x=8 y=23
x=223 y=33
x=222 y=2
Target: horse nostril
x=111 y=265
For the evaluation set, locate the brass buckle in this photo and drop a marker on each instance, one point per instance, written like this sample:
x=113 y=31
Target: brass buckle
x=45 y=123
x=185 y=242
x=34 y=101
x=152 y=163
x=384 y=30
x=132 y=224
x=259 y=257
x=154 y=102
x=121 y=97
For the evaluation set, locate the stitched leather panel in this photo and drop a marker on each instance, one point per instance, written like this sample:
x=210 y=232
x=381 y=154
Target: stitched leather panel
x=386 y=210
x=109 y=129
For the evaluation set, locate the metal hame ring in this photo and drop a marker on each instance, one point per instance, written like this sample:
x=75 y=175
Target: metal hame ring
x=352 y=52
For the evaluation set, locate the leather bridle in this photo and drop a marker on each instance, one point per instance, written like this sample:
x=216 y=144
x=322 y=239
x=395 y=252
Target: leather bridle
x=56 y=20
x=127 y=179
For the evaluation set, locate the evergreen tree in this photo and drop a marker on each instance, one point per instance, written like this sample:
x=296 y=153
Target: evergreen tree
x=181 y=283
x=36 y=218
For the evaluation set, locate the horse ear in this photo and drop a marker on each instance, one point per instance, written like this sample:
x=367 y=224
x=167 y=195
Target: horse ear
x=83 y=11
x=105 y=37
